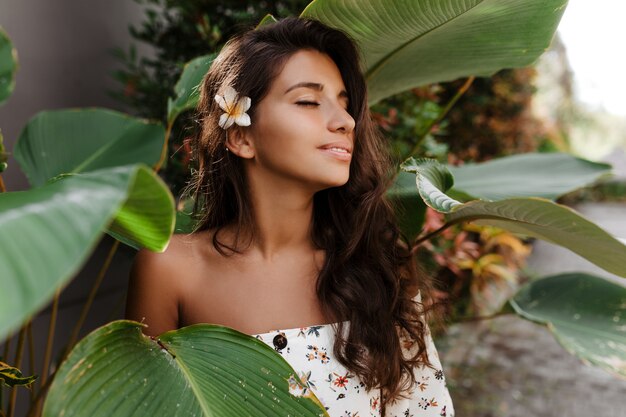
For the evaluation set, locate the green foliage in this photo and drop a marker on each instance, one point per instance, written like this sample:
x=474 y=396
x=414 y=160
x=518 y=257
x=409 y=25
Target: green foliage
x=180 y=31
x=96 y=190
x=547 y=175
x=60 y=223
x=8 y=66
x=186 y=97
x=98 y=138
x=585 y=313
x=531 y=216
x=494 y=118
x=411 y=44
x=203 y=370
x=3 y=155
x=407 y=119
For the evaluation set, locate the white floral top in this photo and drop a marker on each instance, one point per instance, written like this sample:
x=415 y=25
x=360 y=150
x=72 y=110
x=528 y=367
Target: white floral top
x=309 y=351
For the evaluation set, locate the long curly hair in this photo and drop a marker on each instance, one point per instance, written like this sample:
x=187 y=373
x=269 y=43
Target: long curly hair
x=369 y=276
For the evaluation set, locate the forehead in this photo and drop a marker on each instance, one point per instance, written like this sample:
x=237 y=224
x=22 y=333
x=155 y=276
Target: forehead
x=311 y=66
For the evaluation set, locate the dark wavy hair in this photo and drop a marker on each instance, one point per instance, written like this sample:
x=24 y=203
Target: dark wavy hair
x=369 y=275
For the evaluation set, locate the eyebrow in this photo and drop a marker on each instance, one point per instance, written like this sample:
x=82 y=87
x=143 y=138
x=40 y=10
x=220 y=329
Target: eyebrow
x=314 y=86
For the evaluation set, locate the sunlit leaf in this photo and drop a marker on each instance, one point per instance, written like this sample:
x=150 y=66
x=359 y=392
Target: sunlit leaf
x=49 y=232
x=536 y=217
x=199 y=370
x=82 y=140
x=406 y=44
x=547 y=175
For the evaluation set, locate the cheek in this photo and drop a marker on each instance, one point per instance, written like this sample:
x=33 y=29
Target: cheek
x=295 y=132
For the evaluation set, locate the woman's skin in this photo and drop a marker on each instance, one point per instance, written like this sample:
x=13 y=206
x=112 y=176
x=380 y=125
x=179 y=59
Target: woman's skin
x=272 y=284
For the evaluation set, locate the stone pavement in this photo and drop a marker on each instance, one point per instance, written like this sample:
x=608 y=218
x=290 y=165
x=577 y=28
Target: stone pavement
x=509 y=367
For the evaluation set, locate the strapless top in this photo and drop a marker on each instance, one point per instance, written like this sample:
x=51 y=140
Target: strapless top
x=309 y=352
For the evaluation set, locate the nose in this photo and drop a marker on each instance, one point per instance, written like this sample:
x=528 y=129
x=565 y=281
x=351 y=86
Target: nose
x=341 y=121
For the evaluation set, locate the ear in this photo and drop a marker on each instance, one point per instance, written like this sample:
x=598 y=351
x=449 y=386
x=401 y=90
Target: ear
x=239 y=141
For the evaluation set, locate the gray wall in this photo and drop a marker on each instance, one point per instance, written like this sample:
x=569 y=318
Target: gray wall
x=62 y=48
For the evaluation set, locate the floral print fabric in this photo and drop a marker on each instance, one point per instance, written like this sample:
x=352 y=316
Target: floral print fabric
x=309 y=351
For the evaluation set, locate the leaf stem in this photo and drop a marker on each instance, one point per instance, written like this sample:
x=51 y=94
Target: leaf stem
x=35 y=409
x=31 y=355
x=5 y=357
x=441 y=115
x=418 y=241
x=168 y=132
x=90 y=298
x=18 y=363
x=48 y=354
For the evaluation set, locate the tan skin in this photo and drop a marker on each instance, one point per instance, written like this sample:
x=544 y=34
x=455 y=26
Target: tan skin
x=272 y=284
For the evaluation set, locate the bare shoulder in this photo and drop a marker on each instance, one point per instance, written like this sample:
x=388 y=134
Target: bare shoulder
x=154 y=286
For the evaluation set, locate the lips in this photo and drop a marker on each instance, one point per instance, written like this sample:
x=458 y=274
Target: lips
x=340 y=144
x=338 y=151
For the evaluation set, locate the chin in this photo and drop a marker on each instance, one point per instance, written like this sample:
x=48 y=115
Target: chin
x=337 y=181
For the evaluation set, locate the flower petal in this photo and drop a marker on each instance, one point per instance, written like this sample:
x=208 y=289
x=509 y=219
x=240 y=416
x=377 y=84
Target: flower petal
x=245 y=103
x=243 y=119
x=226 y=121
x=230 y=95
x=220 y=100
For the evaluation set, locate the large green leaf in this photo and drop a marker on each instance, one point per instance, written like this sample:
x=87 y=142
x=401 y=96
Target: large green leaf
x=551 y=222
x=187 y=88
x=81 y=140
x=147 y=219
x=199 y=370
x=586 y=314
x=547 y=175
x=409 y=208
x=531 y=216
x=8 y=66
x=432 y=181
x=412 y=43
x=49 y=232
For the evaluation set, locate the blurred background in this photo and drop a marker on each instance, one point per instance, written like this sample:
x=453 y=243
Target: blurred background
x=126 y=55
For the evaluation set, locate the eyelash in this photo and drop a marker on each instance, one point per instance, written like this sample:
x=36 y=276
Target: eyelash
x=307 y=103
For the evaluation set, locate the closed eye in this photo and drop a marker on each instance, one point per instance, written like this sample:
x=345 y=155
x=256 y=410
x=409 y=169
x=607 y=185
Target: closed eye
x=307 y=103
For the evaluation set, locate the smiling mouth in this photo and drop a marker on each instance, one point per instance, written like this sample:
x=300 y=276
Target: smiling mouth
x=337 y=149
x=338 y=153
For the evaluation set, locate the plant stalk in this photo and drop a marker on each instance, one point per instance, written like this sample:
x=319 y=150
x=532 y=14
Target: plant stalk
x=443 y=114
x=7 y=348
x=5 y=357
x=35 y=409
x=31 y=356
x=48 y=354
x=90 y=298
x=18 y=363
x=2 y=187
x=168 y=131
x=418 y=241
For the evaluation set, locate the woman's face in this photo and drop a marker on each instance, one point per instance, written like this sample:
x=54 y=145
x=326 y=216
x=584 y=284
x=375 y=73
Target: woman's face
x=301 y=118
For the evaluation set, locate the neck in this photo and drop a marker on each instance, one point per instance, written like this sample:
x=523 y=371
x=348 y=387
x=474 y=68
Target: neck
x=283 y=216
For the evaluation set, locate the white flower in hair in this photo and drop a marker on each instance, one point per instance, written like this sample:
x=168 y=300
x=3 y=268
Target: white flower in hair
x=235 y=108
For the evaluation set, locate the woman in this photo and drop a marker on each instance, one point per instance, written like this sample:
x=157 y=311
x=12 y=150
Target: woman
x=296 y=243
